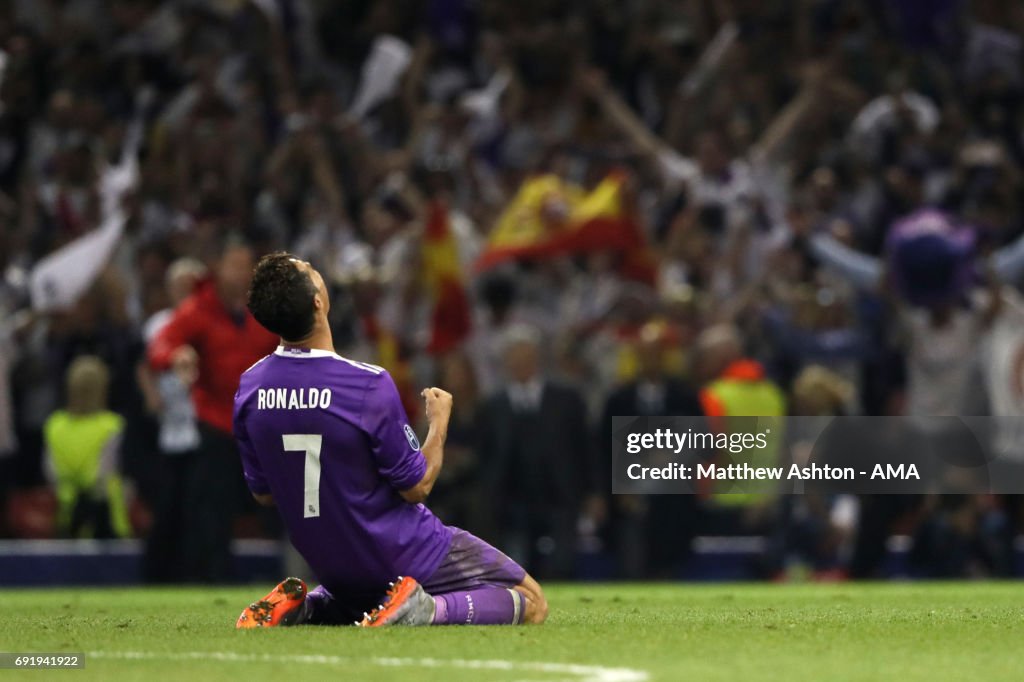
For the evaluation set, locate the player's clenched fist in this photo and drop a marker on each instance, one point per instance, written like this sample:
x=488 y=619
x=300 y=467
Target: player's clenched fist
x=439 y=405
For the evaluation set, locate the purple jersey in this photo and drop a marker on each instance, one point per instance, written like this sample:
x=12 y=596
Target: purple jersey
x=329 y=439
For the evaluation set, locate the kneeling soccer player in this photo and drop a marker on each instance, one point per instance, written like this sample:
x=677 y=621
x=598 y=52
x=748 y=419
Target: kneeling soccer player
x=326 y=440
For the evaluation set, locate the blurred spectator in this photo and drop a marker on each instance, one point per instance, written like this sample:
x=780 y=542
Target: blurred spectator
x=8 y=442
x=651 y=535
x=536 y=459
x=942 y=313
x=736 y=386
x=951 y=541
x=82 y=458
x=209 y=341
x=815 y=528
x=167 y=396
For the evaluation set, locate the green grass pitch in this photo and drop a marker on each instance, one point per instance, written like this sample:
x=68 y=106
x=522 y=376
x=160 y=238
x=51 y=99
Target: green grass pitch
x=606 y=633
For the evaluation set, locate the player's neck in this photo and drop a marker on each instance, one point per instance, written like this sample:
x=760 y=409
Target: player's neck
x=320 y=339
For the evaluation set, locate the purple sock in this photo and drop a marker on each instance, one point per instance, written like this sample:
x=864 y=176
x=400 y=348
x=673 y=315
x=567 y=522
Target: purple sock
x=322 y=608
x=317 y=605
x=483 y=606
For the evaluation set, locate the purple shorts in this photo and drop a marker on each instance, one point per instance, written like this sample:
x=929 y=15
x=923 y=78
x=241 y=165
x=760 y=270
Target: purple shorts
x=472 y=563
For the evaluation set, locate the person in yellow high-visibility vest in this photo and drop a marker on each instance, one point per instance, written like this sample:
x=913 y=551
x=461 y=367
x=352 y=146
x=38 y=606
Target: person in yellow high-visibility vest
x=82 y=451
x=736 y=387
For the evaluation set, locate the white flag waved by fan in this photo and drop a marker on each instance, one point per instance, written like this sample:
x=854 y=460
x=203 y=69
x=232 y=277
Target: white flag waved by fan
x=388 y=60
x=59 y=280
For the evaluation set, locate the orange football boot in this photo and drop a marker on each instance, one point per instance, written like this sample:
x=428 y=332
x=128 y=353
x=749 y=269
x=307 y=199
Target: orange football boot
x=281 y=607
x=406 y=603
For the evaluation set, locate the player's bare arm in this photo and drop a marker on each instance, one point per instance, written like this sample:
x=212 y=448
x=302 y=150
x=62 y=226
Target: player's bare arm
x=439 y=411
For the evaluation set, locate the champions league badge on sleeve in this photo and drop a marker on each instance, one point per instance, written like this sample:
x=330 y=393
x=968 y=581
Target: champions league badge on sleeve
x=410 y=436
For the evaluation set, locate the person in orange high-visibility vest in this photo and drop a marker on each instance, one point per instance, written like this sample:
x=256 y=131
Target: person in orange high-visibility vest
x=735 y=389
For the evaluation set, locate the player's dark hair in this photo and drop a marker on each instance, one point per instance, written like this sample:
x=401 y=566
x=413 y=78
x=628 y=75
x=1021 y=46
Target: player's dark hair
x=281 y=297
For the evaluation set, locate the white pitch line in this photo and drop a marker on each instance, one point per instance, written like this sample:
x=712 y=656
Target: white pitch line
x=579 y=673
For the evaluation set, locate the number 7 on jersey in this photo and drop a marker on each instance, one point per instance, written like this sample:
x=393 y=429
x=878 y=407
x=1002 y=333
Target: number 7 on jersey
x=310 y=445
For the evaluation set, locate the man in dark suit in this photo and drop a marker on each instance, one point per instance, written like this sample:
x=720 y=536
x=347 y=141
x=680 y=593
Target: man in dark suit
x=535 y=458
x=650 y=534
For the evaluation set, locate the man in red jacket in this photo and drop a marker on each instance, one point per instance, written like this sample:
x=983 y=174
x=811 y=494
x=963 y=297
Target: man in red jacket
x=209 y=341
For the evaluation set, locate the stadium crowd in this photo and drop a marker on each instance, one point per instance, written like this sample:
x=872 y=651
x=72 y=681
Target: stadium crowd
x=768 y=154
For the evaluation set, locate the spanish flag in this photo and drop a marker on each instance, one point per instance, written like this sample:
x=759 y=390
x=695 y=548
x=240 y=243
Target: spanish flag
x=443 y=278
x=551 y=217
